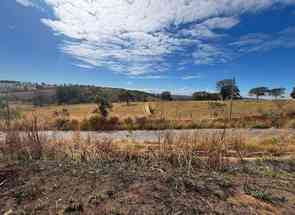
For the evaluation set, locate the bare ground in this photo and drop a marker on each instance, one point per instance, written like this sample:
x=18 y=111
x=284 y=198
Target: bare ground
x=51 y=187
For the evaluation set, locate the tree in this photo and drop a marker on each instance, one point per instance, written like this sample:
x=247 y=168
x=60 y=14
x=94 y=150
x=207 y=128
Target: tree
x=2 y=107
x=277 y=92
x=41 y=99
x=125 y=96
x=205 y=96
x=228 y=89
x=103 y=106
x=259 y=91
x=74 y=94
x=166 y=96
x=68 y=94
x=293 y=93
x=7 y=114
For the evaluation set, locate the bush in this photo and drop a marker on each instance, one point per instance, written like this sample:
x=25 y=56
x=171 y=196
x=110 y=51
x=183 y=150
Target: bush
x=74 y=125
x=141 y=122
x=85 y=125
x=129 y=123
x=112 y=124
x=96 y=123
x=260 y=125
x=61 y=124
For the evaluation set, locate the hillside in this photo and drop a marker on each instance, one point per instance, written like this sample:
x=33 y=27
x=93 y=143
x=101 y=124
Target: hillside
x=48 y=94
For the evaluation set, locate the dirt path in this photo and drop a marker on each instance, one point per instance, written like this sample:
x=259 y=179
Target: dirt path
x=154 y=136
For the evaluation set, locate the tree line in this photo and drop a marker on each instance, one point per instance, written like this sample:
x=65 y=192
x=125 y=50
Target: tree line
x=76 y=94
x=265 y=91
x=228 y=89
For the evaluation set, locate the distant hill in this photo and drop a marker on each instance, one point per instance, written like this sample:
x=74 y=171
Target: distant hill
x=48 y=94
x=182 y=97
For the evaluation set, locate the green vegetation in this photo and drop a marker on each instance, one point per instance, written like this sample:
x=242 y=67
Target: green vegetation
x=205 y=96
x=259 y=91
x=277 y=92
x=228 y=89
x=166 y=96
x=293 y=93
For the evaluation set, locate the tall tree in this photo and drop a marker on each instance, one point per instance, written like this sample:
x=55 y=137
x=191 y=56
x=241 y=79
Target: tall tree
x=293 y=93
x=259 y=91
x=228 y=89
x=166 y=96
x=125 y=96
x=104 y=106
x=277 y=92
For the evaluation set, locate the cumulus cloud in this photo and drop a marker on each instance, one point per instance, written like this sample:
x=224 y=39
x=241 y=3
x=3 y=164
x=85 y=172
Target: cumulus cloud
x=137 y=37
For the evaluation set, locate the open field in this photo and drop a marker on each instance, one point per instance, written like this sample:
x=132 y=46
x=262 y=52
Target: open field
x=174 y=110
x=168 y=115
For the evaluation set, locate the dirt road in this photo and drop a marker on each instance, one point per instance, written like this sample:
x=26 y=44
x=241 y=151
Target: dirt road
x=154 y=136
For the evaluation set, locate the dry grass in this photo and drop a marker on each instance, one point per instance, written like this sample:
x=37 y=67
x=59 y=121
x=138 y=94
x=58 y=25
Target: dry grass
x=178 y=115
x=189 y=151
x=177 y=175
x=184 y=175
x=185 y=110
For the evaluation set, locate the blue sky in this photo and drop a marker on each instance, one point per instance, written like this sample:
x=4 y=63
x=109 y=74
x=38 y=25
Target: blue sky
x=177 y=45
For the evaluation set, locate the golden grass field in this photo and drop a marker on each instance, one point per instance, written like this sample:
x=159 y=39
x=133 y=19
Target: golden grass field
x=175 y=110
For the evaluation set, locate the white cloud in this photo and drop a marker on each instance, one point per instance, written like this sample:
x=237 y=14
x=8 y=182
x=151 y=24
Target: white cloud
x=191 y=77
x=25 y=3
x=221 y=23
x=85 y=66
x=175 y=91
x=148 y=77
x=136 y=37
x=211 y=54
x=262 y=42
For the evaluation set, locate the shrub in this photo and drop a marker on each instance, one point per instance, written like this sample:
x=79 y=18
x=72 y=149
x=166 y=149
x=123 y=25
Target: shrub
x=141 y=122
x=129 y=123
x=112 y=124
x=74 y=124
x=61 y=124
x=26 y=145
x=85 y=125
x=261 y=125
x=96 y=123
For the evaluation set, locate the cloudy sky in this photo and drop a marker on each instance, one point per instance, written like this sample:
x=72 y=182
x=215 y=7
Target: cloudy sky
x=176 y=45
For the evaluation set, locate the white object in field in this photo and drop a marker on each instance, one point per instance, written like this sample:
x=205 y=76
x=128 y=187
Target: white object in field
x=147 y=109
